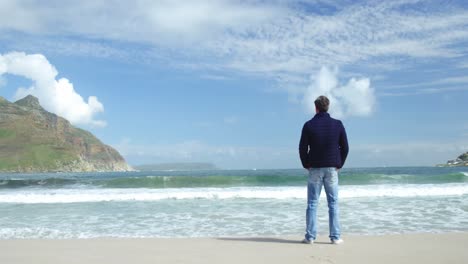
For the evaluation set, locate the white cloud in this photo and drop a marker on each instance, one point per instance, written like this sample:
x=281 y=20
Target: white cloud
x=355 y=98
x=57 y=96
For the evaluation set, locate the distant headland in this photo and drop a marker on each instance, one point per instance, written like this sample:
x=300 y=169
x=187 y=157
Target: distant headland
x=181 y=166
x=35 y=140
x=461 y=161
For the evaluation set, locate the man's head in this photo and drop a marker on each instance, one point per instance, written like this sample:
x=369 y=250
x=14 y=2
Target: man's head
x=321 y=104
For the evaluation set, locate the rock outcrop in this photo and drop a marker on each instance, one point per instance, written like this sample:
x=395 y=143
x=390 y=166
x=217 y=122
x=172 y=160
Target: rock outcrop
x=462 y=160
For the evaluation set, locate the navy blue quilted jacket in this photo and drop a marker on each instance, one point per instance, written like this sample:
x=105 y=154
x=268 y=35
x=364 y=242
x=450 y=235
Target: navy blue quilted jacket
x=323 y=142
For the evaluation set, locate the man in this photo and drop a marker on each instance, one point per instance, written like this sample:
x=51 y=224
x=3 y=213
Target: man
x=323 y=150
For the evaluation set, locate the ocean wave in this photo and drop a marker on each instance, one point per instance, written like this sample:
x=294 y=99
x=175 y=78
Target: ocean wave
x=120 y=195
x=13 y=183
x=130 y=181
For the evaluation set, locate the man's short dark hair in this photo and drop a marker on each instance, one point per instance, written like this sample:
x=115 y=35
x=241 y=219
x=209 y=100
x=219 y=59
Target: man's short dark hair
x=322 y=103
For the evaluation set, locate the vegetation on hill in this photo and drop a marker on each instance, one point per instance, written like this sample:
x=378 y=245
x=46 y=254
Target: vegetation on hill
x=34 y=140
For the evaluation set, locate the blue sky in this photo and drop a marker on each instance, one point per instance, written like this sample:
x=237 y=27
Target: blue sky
x=232 y=82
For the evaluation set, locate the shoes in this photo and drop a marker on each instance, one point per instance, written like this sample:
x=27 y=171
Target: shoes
x=333 y=241
x=337 y=241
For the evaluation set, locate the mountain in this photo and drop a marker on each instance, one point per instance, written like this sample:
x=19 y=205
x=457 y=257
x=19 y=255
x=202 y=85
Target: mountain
x=34 y=140
x=177 y=166
x=462 y=160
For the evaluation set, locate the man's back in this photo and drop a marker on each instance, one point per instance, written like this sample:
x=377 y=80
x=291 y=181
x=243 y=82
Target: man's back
x=323 y=142
x=323 y=149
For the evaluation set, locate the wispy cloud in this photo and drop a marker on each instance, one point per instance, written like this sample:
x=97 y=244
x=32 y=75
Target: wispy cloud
x=255 y=36
x=463 y=65
x=281 y=40
x=457 y=80
x=157 y=22
x=447 y=84
x=300 y=41
x=216 y=77
x=424 y=91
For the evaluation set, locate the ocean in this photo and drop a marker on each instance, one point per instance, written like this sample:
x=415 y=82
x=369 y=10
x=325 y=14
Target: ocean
x=228 y=203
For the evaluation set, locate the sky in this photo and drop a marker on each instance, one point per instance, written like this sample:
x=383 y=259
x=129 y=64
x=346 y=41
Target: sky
x=232 y=82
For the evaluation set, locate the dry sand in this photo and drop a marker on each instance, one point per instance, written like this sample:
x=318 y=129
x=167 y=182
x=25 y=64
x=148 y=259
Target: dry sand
x=413 y=248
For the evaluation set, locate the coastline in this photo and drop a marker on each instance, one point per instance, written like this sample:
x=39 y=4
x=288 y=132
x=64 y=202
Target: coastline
x=405 y=248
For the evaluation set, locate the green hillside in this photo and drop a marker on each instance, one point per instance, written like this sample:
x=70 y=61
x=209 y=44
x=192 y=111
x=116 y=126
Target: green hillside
x=34 y=140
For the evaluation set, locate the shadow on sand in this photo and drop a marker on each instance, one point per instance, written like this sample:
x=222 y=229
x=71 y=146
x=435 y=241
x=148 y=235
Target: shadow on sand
x=265 y=240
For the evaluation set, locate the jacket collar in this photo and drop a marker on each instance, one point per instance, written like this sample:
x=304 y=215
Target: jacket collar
x=322 y=114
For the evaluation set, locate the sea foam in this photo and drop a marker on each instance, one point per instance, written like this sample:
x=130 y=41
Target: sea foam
x=141 y=194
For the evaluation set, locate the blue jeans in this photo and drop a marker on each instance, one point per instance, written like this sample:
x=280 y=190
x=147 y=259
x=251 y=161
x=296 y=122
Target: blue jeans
x=328 y=177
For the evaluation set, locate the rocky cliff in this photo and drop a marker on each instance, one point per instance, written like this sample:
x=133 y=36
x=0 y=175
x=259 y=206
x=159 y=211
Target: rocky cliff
x=34 y=140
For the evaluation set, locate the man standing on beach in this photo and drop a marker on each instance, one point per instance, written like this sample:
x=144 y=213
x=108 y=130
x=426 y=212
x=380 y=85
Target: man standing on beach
x=323 y=150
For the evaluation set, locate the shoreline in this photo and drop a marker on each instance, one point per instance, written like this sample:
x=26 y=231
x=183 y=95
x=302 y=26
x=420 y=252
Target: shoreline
x=405 y=248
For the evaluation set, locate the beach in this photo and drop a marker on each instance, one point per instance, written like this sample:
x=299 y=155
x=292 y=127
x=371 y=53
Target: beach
x=387 y=215
x=408 y=248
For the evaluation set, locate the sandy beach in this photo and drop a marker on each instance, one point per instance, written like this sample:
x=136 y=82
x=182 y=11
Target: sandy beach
x=412 y=248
